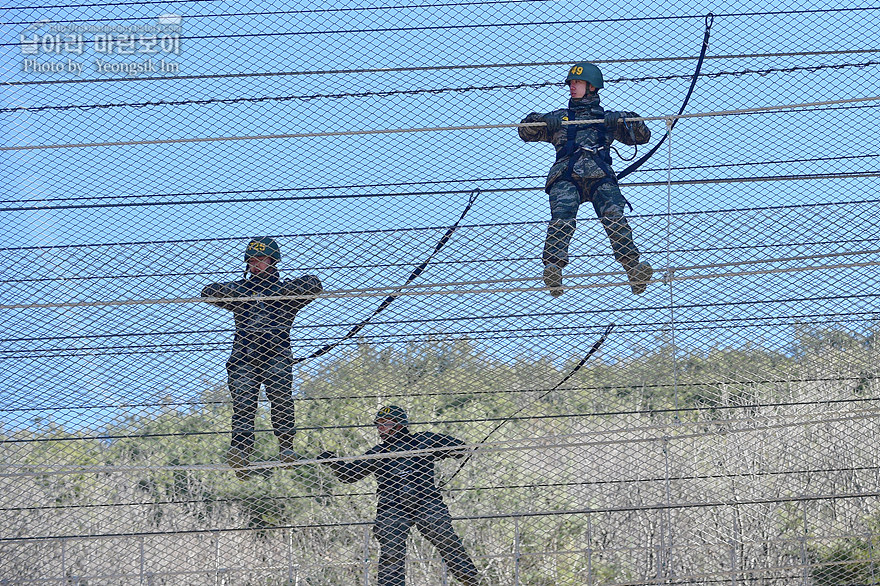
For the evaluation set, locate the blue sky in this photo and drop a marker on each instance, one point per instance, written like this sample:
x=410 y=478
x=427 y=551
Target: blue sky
x=357 y=192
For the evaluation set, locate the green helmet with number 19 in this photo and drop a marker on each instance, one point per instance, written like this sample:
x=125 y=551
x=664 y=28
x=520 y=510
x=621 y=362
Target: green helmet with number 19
x=586 y=72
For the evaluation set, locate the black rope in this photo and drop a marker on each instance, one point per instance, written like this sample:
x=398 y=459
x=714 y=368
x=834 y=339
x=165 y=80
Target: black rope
x=387 y=301
x=709 y=20
x=574 y=370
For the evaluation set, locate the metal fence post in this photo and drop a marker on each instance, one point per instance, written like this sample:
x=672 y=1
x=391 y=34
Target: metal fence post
x=366 y=555
x=141 y=564
x=589 y=549
x=516 y=551
x=289 y=534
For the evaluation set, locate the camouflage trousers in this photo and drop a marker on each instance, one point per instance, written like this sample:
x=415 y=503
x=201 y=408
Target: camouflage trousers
x=434 y=523
x=245 y=378
x=608 y=202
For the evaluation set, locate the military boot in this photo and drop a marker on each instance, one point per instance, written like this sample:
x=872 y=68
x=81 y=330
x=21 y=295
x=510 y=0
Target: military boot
x=553 y=279
x=239 y=460
x=638 y=273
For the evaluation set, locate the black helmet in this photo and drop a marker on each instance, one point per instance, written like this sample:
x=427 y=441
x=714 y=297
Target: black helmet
x=394 y=413
x=263 y=246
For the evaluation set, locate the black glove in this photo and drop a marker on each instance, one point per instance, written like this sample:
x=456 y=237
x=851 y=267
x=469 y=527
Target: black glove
x=533 y=117
x=554 y=123
x=612 y=118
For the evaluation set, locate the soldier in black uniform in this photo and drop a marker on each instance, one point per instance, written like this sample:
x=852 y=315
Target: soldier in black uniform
x=582 y=173
x=261 y=347
x=408 y=495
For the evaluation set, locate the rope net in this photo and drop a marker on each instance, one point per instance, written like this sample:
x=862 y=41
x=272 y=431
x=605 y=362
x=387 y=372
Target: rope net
x=723 y=431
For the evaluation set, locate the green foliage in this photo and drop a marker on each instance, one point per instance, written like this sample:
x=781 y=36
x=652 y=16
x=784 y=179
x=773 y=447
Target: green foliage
x=449 y=386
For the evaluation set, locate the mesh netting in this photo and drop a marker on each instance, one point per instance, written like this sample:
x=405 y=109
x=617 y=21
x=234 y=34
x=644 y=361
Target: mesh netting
x=719 y=427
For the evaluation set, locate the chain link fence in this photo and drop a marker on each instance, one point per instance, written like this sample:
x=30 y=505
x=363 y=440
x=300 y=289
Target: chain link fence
x=718 y=428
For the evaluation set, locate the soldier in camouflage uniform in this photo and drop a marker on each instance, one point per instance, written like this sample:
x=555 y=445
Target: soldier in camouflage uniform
x=582 y=173
x=261 y=348
x=408 y=495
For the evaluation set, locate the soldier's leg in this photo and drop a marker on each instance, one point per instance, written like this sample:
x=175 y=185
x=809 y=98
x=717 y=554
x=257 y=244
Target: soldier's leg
x=564 y=203
x=436 y=526
x=609 y=205
x=391 y=530
x=278 y=378
x=244 y=386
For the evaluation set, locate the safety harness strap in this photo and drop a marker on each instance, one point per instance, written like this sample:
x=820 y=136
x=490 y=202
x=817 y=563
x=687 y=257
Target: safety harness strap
x=387 y=301
x=709 y=20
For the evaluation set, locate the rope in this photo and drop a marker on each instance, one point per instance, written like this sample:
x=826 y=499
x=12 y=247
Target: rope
x=577 y=367
x=414 y=290
x=670 y=125
x=429 y=129
x=414 y=275
x=662 y=433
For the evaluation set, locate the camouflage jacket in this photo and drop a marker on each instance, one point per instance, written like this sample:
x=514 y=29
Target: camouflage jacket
x=262 y=327
x=587 y=165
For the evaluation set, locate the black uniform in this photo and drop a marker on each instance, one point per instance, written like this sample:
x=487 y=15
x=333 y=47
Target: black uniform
x=261 y=349
x=408 y=496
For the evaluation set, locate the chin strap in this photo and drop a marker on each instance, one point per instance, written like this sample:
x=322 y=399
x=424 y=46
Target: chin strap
x=574 y=370
x=710 y=18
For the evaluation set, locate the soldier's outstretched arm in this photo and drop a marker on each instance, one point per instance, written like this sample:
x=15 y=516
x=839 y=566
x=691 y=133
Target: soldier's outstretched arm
x=456 y=446
x=216 y=292
x=305 y=287
x=348 y=471
x=629 y=132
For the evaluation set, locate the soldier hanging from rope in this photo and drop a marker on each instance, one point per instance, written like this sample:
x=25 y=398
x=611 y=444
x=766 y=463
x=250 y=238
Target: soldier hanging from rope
x=582 y=173
x=408 y=495
x=261 y=348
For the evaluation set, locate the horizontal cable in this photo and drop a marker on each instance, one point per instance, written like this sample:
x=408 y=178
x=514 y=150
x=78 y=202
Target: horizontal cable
x=261 y=13
x=400 y=230
x=472 y=334
x=428 y=129
x=389 y=7
x=492 y=392
x=485 y=447
x=461 y=287
x=532 y=486
x=416 y=92
x=433 y=68
x=333 y=188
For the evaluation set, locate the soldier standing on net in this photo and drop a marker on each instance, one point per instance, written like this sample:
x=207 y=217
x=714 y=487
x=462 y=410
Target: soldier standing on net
x=261 y=348
x=582 y=173
x=408 y=495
